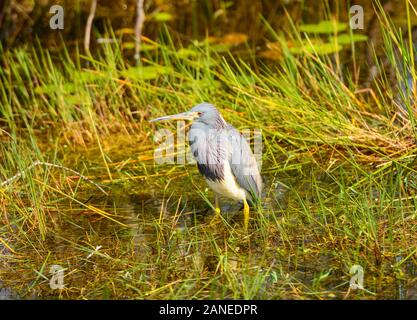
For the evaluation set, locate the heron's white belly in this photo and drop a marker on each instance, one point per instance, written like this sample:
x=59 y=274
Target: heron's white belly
x=228 y=187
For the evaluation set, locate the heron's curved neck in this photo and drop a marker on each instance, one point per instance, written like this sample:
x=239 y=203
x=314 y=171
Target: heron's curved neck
x=216 y=122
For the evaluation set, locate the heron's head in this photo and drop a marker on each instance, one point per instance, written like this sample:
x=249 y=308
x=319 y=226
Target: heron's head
x=204 y=112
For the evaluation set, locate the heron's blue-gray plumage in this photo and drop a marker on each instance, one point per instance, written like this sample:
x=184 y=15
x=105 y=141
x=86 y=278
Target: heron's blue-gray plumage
x=218 y=147
x=208 y=148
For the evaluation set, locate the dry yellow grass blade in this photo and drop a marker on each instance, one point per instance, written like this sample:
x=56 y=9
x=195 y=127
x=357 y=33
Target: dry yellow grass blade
x=90 y=207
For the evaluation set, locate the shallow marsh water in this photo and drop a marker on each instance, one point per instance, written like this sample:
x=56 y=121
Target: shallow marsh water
x=163 y=242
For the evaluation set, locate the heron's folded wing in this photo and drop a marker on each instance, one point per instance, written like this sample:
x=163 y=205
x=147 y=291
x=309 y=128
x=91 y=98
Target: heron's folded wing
x=244 y=166
x=210 y=150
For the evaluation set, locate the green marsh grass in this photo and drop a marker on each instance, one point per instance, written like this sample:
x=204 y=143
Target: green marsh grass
x=338 y=164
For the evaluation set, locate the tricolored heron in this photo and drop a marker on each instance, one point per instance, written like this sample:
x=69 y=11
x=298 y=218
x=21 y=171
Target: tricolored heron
x=223 y=156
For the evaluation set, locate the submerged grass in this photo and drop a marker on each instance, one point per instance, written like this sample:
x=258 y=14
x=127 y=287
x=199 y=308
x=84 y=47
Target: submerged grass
x=338 y=163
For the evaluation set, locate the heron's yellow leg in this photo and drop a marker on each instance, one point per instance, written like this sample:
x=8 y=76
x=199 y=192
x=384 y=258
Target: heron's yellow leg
x=245 y=214
x=217 y=205
x=217 y=211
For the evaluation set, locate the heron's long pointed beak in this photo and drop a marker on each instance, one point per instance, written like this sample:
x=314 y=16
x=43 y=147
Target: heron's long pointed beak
x=189 y=115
